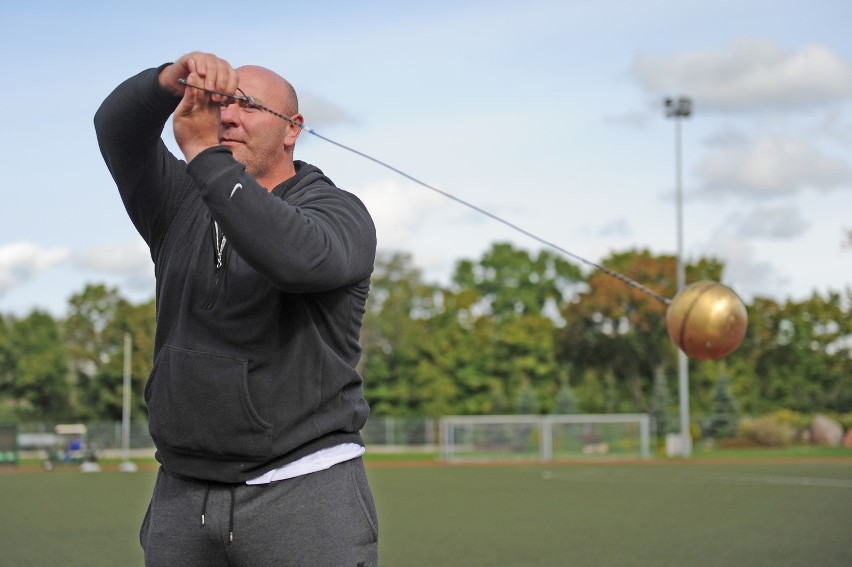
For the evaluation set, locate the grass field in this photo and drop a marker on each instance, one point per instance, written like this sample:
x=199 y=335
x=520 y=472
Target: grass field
x=753 y=512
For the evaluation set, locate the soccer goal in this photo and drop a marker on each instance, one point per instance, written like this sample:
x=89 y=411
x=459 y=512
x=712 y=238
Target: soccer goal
x=545 y=438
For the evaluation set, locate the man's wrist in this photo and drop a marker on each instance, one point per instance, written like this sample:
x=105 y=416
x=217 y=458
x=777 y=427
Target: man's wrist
x=191 y=150
x=210 y=164
x=168 y=79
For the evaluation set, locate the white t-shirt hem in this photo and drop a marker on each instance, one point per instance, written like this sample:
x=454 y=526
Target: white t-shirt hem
x=319 y=461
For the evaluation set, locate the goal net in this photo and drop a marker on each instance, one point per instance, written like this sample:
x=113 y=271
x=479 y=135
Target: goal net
x=545 y=438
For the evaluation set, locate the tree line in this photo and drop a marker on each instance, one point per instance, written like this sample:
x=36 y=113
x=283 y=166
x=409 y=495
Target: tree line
x=512 y=332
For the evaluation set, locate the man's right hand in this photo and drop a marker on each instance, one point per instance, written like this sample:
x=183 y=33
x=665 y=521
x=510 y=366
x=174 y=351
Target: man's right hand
x=216 y=73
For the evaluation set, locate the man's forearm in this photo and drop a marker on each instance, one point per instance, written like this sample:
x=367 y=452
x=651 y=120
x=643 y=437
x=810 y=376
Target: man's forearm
x=129 y=124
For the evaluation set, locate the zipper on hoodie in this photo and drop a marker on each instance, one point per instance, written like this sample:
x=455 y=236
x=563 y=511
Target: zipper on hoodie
x=220 y=261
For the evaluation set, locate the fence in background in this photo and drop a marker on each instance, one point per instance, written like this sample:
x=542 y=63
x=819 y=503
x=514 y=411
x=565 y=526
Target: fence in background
x=456 y=437
x=9 y=443
x=380 y=432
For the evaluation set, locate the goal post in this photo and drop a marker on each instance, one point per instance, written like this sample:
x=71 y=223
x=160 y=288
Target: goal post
x=544 y=437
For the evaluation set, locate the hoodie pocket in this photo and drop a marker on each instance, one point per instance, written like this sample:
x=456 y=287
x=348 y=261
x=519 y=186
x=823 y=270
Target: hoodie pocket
x=198 y=403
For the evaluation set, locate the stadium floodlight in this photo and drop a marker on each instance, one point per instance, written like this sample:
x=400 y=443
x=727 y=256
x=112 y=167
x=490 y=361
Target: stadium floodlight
x=679 y=109
x=127 y=465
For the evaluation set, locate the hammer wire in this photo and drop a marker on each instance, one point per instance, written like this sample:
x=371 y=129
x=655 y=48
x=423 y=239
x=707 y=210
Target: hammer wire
x=250 y=102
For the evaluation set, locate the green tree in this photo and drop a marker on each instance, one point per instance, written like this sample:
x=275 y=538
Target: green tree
x=661 y=404
x=399 y=305
x=39 y=387
x=7 y=369
x=509 y=301
x=796 y=356
x=566 y=400
x=751 y=365
x=90 y=313
x=509 y=330
x=524 y=356
x=724 y=420
x=527 y=403
x=141 y=322
x=498 y=404
x=94 y=336
x=104 y=392
x=619 y=333
x=511 y=282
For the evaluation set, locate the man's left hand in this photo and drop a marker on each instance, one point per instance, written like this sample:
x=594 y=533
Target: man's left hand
x=196 y=119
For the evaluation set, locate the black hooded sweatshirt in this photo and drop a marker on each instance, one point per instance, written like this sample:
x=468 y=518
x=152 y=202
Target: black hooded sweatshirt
x=256 y=347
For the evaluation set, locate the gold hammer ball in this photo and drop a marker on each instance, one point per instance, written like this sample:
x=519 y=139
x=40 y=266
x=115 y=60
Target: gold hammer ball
x=707 y=320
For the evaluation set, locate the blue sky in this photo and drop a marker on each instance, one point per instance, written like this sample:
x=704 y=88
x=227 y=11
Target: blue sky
x=546 y=113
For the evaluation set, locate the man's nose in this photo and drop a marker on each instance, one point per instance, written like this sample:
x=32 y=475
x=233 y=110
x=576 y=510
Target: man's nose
x=228 y=113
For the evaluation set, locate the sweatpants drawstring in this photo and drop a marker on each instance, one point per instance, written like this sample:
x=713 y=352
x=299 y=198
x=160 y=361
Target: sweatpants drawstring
x=231 y=515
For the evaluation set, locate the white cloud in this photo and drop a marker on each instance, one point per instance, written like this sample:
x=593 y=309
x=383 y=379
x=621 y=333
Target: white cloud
x=771 y=166
x=744 y=272
x=319 y=111
x=770 y=222
x=129 y=260
x=833 y=126
x=634 y=119
x=398 y=211
x=615 y=228
x=22 y=261
x=749 y=75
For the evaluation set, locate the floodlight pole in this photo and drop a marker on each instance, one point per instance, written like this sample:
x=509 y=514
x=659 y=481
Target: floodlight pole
x=678 y=109
x=127 y=465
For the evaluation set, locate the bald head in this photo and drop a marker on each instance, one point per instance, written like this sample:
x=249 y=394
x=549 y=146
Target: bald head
x=261 y=141
x=262 y=83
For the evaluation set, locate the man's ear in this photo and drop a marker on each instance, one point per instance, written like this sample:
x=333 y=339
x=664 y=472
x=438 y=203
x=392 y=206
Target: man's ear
x=293 y=130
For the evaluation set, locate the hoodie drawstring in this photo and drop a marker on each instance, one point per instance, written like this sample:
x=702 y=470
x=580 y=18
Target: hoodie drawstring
x=204 y=505
x=231 y=520
x=231 y=515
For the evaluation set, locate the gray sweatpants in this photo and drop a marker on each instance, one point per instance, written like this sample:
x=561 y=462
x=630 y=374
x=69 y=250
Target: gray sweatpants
x=323 y=519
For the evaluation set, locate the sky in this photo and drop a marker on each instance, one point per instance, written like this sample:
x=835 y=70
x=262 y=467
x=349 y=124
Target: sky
x=548 y=114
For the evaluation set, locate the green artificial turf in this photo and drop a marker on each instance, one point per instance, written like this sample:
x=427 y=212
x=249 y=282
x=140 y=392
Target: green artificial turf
x=695 y=513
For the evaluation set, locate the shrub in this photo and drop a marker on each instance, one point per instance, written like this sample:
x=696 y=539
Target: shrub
x=801 y=423
x=845 y=419
x=795 y=419
x=768 y=431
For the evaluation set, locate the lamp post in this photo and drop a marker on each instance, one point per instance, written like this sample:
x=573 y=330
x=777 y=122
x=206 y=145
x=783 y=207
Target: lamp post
x=679 y=109
x=127 y=465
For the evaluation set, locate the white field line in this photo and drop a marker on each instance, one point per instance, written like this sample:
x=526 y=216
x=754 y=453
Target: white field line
x=707 y=478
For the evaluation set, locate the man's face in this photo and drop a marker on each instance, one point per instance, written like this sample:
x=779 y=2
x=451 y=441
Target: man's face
x=256 y=138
